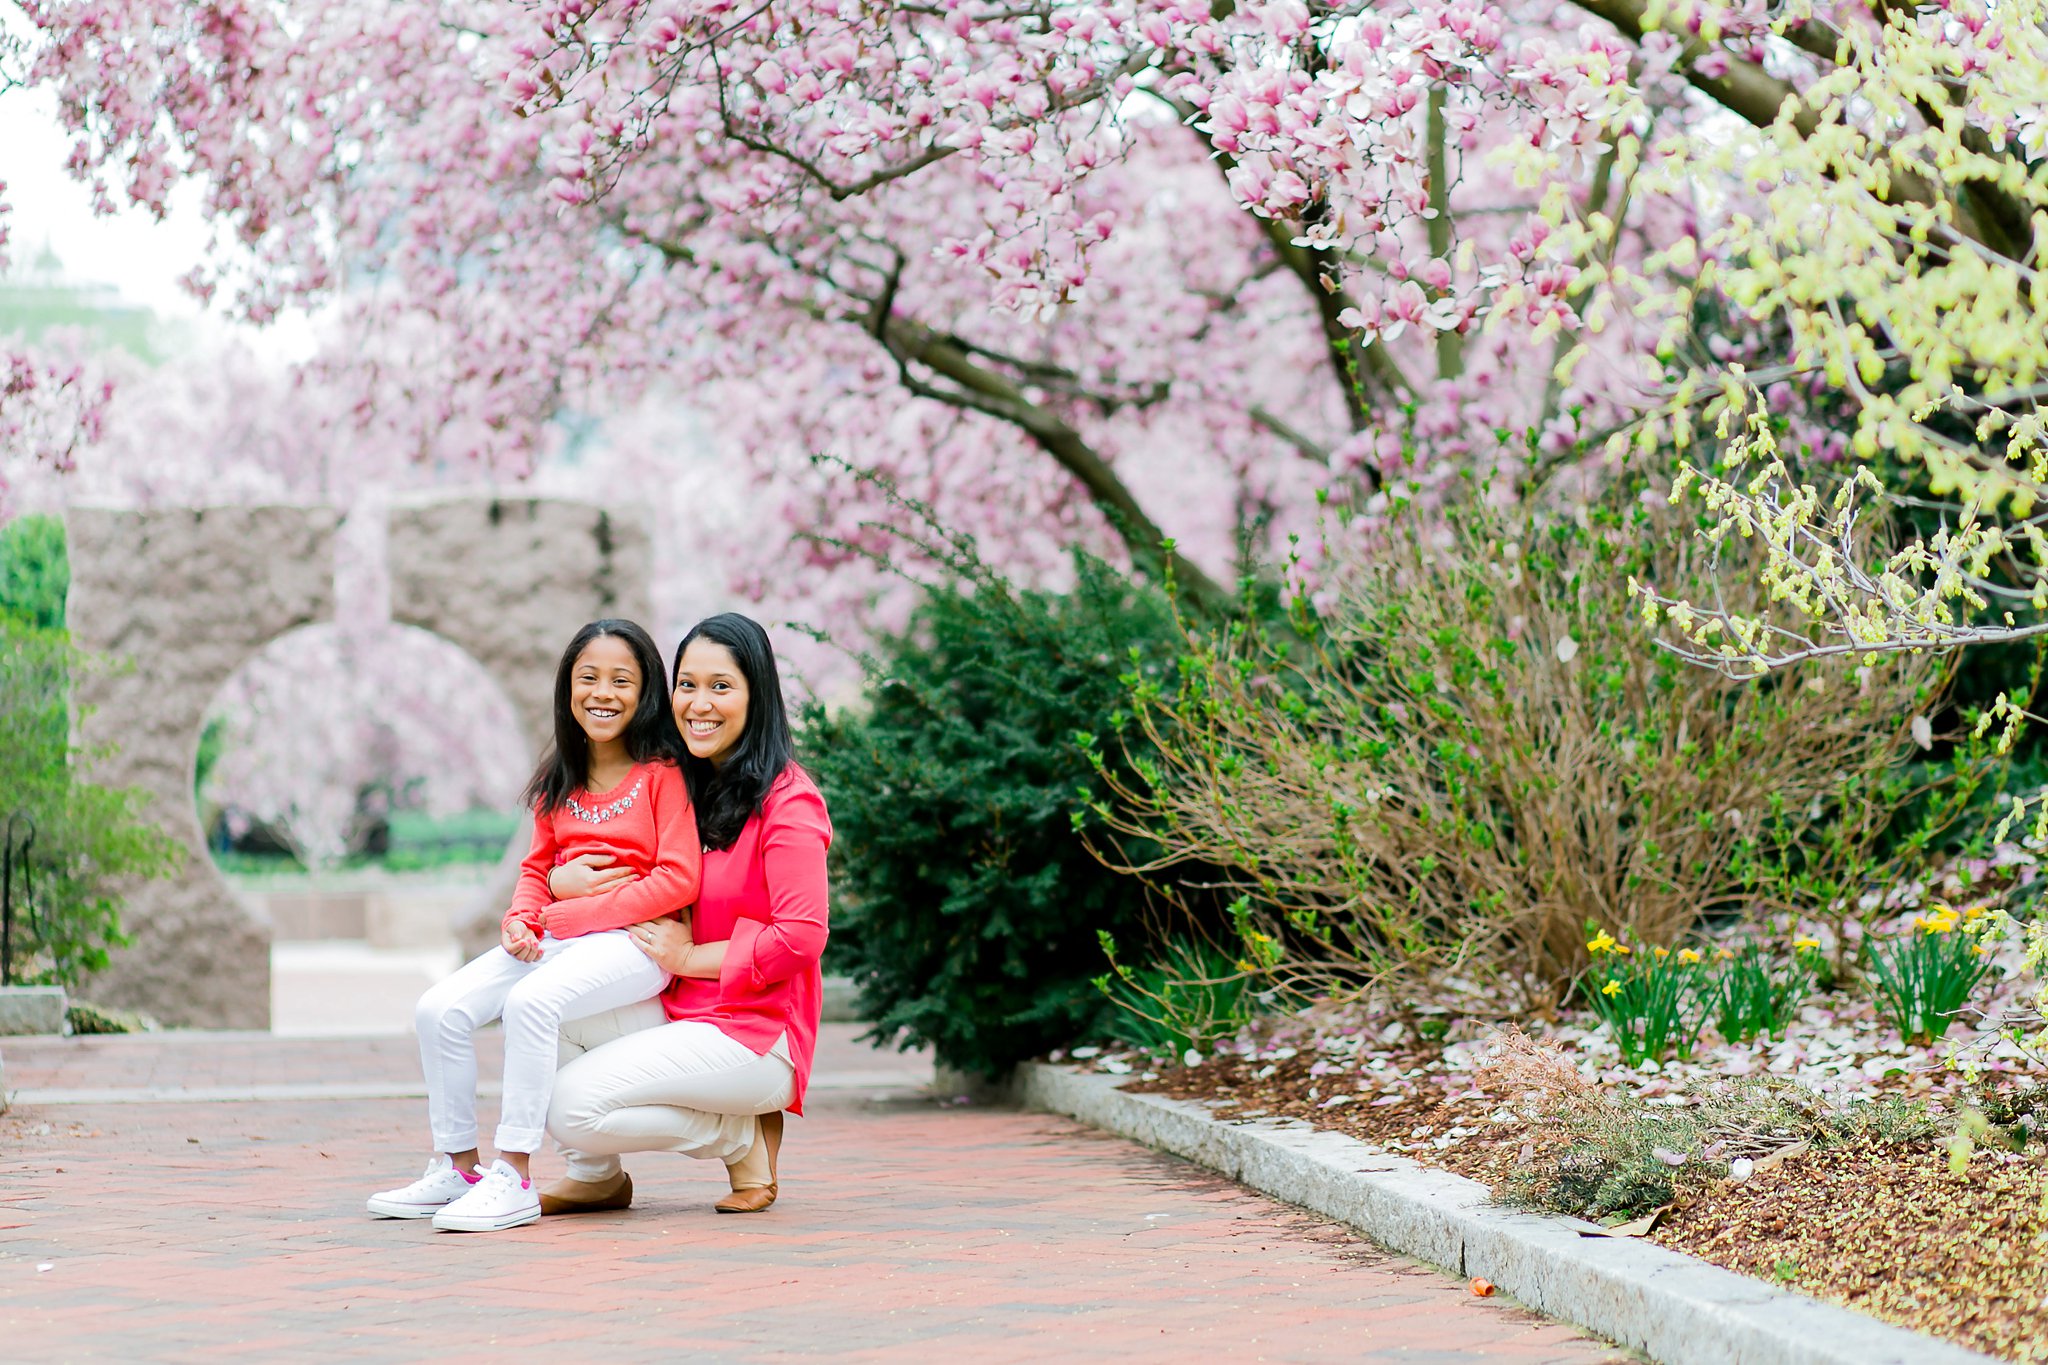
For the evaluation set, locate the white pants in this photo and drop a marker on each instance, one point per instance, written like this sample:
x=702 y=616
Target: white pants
x=633 y=1082
x=574 y=978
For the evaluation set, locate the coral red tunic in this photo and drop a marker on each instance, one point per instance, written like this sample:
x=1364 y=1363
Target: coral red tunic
x=766 y=895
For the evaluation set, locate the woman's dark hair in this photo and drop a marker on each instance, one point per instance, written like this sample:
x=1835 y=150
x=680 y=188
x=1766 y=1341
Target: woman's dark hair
x=650 y=734
x=731 y=794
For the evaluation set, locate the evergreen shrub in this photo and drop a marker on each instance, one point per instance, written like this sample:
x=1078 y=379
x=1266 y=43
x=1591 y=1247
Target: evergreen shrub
x=966 y=905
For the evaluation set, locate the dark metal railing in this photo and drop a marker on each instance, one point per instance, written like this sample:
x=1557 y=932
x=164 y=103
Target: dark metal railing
x=14 y=853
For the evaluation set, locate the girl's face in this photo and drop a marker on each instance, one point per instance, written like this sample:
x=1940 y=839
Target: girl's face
x=710 y=700
x=604 y=688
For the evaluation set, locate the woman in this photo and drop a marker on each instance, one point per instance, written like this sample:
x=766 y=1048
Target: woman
x=733 y=1036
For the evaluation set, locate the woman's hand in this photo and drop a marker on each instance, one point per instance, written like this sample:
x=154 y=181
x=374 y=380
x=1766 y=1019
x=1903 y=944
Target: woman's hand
x=586 y=874
x=518 y=939
x=666 y=941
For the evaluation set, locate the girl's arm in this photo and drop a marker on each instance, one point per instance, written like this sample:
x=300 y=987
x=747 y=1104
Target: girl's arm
x=670 y=884
x=530 y=895
x=794 y=837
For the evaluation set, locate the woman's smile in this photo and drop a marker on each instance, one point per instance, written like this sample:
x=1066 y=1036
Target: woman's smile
x=710 y=700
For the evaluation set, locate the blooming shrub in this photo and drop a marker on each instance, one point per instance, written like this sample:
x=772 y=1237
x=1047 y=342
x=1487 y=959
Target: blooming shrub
x=1466 y=749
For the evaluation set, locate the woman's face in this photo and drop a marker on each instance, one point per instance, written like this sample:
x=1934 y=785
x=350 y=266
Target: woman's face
x=710 y=700
x=604 y=688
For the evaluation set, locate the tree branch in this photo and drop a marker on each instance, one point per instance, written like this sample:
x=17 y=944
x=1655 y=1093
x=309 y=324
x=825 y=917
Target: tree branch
x=983 y=390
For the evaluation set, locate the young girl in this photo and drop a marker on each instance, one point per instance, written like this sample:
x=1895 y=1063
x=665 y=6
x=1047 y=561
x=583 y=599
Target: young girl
x=609 y=786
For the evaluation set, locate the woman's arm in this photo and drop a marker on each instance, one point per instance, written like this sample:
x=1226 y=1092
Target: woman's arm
x=794 y=837
x=669 y=886
x=669 y=944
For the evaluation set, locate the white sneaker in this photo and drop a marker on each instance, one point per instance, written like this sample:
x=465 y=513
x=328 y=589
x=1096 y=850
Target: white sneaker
x=498 y=1201
x=441 y=1185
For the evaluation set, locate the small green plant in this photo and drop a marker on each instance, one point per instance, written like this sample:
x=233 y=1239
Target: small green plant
x=1600 y=1151
x=1651 y=999
x=1922 y=977
x=1754 y=991
x=85 y=1017
x=1192 y=998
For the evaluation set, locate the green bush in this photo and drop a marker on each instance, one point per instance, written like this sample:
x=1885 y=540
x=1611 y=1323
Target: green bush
x=966 y=905
x=87 y=837
x=35 y=571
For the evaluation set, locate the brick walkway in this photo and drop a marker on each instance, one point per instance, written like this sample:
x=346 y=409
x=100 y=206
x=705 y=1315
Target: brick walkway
x=187 y=1197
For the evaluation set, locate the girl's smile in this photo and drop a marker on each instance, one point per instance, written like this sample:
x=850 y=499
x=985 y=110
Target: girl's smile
x=604 y=691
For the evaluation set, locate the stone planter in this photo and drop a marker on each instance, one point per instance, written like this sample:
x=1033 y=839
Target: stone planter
x=31 y=1009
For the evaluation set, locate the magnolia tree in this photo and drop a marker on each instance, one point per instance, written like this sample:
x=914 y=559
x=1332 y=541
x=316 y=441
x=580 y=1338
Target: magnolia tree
x=1129 y=272
x=48 y=408
x=1143 y=270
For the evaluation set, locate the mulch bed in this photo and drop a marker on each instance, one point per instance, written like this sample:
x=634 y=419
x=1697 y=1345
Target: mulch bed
x=1887 y=1230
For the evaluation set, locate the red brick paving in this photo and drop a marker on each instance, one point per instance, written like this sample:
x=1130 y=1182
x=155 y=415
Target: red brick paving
x=909 y=1229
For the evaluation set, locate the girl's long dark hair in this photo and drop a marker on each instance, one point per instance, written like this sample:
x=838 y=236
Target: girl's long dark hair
x=728 y=796
x=650 y=734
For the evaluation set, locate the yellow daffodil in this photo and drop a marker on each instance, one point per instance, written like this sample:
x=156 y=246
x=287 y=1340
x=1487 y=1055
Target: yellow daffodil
x=1611 y=988
x=1661 y=953
x=1688 y=956
x=1602 y=943
x=1623 y=949
x=1806 y=943
x=1725 y=955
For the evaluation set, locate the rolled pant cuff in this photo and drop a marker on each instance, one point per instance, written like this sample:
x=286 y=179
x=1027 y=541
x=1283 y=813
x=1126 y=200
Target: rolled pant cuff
x=526 y=1140
x=592 y=1170
x=455 y=1142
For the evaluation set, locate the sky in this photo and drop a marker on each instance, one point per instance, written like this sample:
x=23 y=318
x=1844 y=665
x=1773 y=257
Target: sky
x=139 y=256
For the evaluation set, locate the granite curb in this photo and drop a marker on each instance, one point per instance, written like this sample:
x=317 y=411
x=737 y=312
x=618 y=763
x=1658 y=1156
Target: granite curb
x=1677 y=1309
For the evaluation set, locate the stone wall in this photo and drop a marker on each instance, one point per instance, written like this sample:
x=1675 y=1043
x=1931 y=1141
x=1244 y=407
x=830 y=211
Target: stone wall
x=180 y=599
x=511 y=580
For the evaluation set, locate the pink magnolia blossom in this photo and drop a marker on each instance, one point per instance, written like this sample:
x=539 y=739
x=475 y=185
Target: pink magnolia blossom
x=1097 y=275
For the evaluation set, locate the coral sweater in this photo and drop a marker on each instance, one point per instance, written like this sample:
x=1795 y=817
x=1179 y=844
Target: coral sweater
x=646 y=822
x=766 y=896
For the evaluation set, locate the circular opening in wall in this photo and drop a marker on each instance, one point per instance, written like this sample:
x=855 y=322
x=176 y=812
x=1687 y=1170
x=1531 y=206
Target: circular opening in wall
x=359 y=786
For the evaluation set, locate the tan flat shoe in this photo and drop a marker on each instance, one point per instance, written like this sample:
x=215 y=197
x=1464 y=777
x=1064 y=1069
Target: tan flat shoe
x=753 y=1199
x=754 y=1196
x=574 y=1196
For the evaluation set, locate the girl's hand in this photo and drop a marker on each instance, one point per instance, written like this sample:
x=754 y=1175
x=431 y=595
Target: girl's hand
x=586 y=874
x=518 y=939
x=666 y=941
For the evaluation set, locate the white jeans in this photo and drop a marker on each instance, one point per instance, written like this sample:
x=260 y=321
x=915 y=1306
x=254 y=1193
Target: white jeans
x=574 y=978
x=633 y=1082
